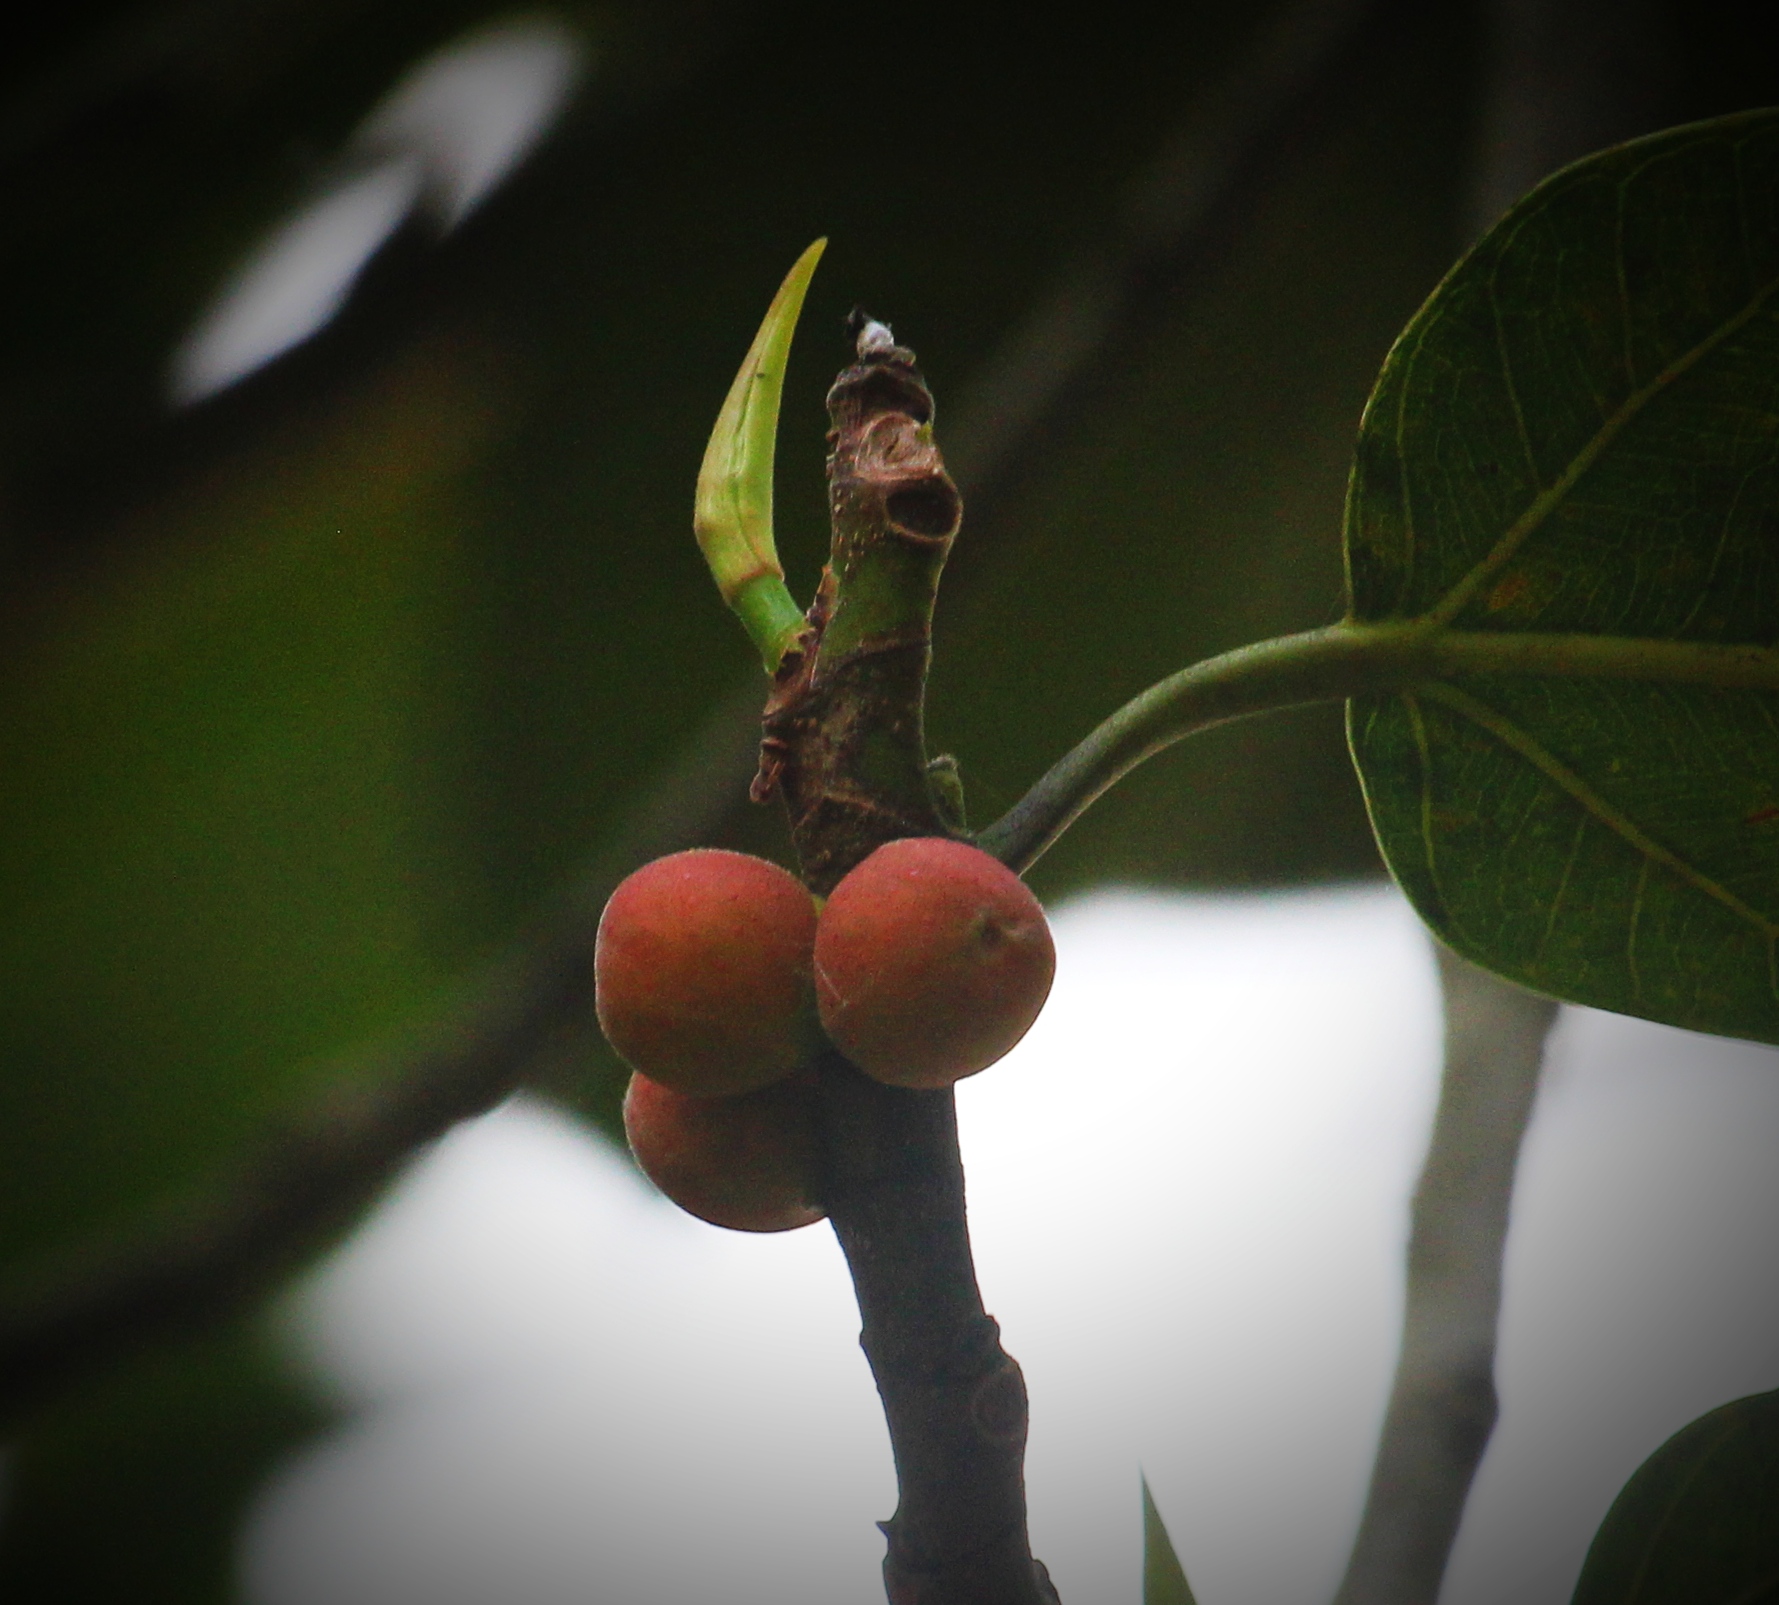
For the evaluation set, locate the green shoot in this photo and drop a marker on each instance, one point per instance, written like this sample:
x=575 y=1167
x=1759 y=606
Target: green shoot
x=732 y=514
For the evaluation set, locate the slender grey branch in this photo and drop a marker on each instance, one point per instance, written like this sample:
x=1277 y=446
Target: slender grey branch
x=1564 y=77
x=1442 y=1404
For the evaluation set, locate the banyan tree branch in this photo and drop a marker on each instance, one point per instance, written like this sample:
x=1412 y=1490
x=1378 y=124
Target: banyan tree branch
x=844 y=748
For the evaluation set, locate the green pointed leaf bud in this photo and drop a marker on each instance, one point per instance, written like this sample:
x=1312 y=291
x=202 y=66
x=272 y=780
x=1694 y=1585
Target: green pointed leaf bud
x=732 y=514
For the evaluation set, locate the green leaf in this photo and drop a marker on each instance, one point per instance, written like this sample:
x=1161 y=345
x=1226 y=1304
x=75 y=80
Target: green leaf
x=732 y=511
x=1576 y=443
x=1164 y=1579
x=1699 y=1521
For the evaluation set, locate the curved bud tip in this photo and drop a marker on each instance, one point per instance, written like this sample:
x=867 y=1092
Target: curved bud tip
x=732 y=513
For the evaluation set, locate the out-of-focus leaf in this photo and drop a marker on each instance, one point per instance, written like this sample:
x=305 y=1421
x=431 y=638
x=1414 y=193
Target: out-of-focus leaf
x=1698 y=1523
x=1577 y=436
x=230 y=842
x=1164 y=1578
x=136 y=1491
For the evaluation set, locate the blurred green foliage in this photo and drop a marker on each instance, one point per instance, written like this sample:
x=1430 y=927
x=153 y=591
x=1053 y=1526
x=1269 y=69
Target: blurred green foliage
x=308 y=694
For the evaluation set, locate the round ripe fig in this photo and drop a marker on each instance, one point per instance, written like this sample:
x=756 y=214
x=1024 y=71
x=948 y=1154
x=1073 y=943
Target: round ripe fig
x=931 y=960
x=702 y=971
x=749 y=1163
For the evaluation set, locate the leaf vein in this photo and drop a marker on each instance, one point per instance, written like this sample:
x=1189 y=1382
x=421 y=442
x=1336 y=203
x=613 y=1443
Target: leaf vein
x=1550 y=498
x=1507 y=378
x=1566 y=779
x=1723 y=534
x=1418 y=725
x=1402 y=478
x=1562 y=891
x=1636 y=919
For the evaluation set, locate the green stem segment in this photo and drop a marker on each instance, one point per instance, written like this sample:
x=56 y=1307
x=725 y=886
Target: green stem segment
x=844 y=735
x=1331 y=665
x=769 y=614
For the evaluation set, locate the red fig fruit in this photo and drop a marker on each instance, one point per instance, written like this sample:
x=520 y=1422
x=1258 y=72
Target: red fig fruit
x=702 y=971
x=749 y=1163
x=931 y=960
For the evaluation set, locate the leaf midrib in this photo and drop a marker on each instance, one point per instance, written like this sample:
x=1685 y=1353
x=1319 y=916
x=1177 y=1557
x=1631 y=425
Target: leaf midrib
x=1590 y=655
x=1548 y=500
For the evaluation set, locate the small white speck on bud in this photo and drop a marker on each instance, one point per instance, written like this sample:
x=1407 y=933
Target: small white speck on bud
x=875 y=340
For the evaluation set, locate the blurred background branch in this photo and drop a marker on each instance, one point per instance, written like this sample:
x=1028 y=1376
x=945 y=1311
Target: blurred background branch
x=315 y=1168
x=1564 y=77
x=1442 y=1403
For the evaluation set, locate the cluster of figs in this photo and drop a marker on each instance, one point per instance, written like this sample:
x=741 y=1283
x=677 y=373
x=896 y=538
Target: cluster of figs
x=718 y=976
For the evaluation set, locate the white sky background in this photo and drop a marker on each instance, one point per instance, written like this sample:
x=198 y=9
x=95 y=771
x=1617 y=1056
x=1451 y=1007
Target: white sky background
x=1188 y=1192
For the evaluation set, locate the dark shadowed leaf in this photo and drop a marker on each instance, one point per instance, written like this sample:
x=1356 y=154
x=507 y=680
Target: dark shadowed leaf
x=1579 y=435
x=135 y=1491
x=1164 y=1579
x=1699 y=1522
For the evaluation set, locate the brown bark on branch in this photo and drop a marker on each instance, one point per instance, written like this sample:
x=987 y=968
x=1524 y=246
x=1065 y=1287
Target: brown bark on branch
x=954 y=1399
x=844 y=746
x=844 y=738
